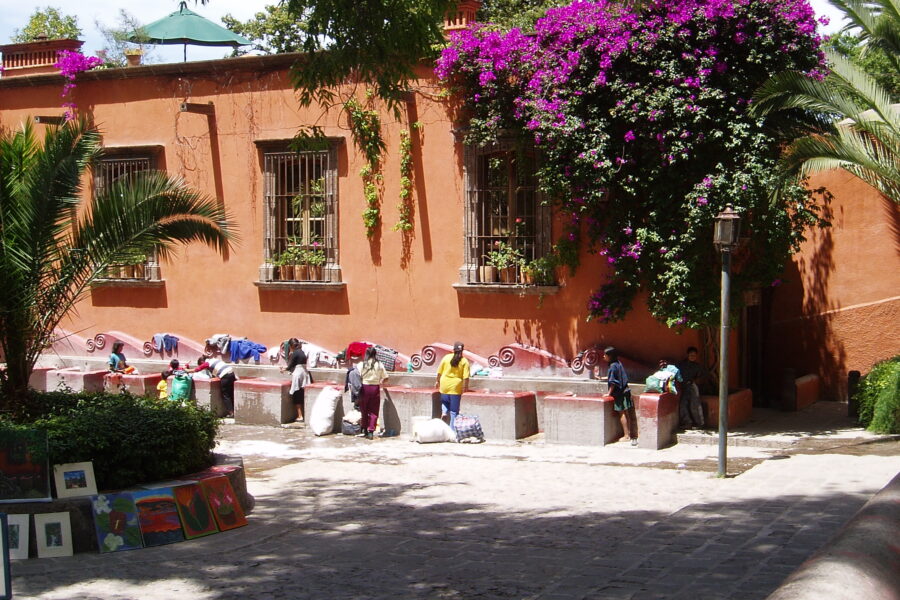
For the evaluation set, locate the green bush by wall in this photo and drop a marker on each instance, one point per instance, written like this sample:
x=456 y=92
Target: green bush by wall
x=878 y=397
x=129 y=439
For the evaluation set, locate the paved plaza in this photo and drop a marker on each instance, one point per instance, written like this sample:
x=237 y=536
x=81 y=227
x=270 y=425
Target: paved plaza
x=340 y=517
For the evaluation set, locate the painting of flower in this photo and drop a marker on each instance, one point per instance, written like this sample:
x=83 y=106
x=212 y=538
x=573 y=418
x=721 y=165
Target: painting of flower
x=116 y=522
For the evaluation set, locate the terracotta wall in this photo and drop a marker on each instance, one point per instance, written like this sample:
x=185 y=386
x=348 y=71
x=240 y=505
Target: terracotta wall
x=839 y=306
x=404 y=304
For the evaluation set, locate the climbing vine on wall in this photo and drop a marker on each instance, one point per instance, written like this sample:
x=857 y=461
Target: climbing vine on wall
x=405 y=207
x=365 y=128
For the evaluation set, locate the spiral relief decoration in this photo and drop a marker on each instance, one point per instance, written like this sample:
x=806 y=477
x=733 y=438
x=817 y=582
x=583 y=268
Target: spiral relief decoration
x=97 y=343
x=428 y=355
x=148 y=349
x=416 y=361
x=577 y=363
x=586 y=359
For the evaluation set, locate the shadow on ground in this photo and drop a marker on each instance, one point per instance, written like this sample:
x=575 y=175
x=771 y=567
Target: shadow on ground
x=321 y=539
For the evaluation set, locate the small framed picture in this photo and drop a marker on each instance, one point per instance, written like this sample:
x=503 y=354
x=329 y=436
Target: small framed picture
x=53 y=533
x=74 y=479
x=18 y=536
x=5 y=575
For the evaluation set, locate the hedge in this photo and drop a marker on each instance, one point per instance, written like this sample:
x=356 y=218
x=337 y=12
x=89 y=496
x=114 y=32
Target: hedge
x=129 y=439
x=878 y=397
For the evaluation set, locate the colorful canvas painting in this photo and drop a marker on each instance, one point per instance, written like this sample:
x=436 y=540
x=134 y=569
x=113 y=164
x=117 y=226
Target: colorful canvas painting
x=116 y=522
x=224 y=503
x=18 y=536
x=74 y=479
x=214 y=471
x=54 y=534
x=24 y=466
x=158 y=516
x=196 y=517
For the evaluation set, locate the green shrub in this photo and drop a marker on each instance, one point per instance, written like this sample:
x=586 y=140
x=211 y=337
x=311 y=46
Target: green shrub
x=878 y=397
x=129 y=439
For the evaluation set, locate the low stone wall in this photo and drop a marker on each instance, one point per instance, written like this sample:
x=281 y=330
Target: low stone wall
x=861 y=561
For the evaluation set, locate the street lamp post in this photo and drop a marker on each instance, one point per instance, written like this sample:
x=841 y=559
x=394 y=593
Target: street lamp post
x=725 y=238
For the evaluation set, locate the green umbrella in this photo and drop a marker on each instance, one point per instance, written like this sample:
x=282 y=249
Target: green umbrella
x=187 y=27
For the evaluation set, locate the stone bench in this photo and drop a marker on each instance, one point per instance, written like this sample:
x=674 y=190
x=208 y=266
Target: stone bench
x=657 y=419
x=76 y=379
x=207 y=393
x=740 y=409
x=503 y=415
x=136 y=384
x=400 y=404
x=581 y=420
x=261 y=401
x=38 y=379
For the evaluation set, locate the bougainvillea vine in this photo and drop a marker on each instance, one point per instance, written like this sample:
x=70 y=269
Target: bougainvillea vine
x=71 y=64
x=641 y=118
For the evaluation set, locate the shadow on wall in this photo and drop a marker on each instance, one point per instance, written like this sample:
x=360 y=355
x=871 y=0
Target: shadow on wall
x=302 y=301
x=801 y=337
x=603 y=552
x=892 y=210
x=132 y=297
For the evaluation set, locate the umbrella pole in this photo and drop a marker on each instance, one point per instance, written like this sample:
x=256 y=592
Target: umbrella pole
x=185 y=53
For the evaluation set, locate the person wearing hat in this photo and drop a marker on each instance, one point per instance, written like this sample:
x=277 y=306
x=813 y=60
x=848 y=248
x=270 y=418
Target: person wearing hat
x=452 y=382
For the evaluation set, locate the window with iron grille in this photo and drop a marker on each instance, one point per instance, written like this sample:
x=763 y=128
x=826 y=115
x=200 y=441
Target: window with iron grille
x=119 y=164
x=301 y=216
x=506 y=218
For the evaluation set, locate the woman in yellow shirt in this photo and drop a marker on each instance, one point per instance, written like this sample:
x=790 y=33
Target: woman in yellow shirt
x=452 y=382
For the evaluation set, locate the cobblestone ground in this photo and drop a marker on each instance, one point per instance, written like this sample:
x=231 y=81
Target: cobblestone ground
x=342 y=517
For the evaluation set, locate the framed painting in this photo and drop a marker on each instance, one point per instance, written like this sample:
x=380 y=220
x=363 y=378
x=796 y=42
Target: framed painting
x=24 y=465
x=53 y=533
x=224 y=503
x=74 y=479
x=18 y=536
x=5 y=575
x=196 y=517
x=158 y=516
x=116 y=522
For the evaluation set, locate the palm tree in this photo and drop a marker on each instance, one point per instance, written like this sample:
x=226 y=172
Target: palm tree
x=53 y=244
x=858 y=125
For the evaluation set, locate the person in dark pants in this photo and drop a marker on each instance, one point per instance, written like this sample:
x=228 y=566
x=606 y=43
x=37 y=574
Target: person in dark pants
x=373 y=375
x=617 y=381
x=225 y=372
x=300 y=378
x=690 y=412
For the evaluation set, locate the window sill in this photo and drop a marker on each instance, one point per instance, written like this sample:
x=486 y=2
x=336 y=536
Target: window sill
x=133 y=283
x=318 y=286
x=506 y=288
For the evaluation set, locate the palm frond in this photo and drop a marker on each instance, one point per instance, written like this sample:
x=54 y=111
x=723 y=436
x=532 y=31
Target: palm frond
x=51 y=247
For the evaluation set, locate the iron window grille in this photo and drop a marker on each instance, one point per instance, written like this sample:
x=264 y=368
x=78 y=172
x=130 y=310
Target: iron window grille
x=108 y=170
x=504 y=210
x=301 y=209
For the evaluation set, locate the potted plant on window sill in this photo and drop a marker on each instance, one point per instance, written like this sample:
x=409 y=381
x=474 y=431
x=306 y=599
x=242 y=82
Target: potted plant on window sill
x=540 y=271
x=505 y=258
x=292 y=263
x=315 y=259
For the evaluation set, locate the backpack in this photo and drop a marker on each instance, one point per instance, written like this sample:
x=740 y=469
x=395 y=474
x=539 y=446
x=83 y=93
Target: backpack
x=661 y=382
x=181 y=387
